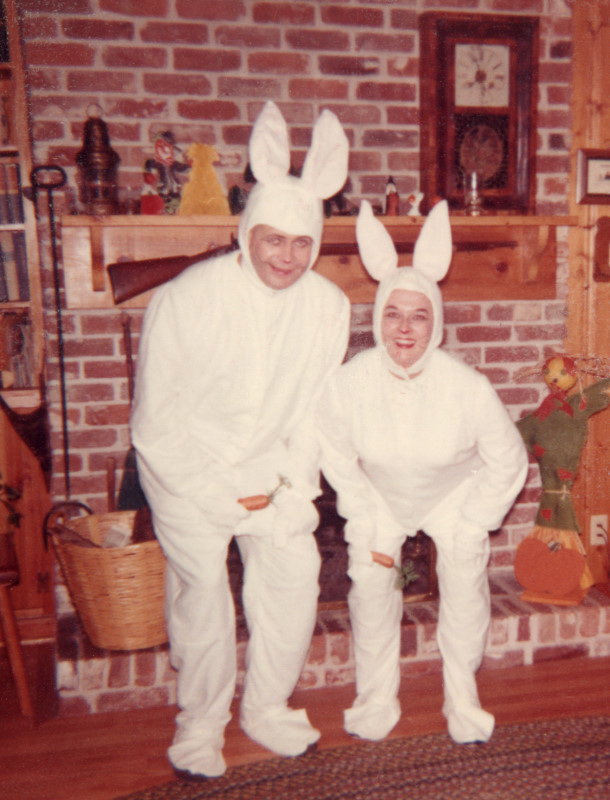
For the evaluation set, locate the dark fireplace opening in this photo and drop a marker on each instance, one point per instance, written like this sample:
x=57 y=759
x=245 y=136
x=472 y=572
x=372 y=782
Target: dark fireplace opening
x=417 y=551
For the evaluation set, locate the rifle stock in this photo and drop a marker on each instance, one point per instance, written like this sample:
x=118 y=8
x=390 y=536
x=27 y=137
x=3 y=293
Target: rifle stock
x=131 y=278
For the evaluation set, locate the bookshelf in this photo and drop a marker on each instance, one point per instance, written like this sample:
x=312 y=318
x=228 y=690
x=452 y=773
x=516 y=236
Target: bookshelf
x=21 y=327
x=21 y=344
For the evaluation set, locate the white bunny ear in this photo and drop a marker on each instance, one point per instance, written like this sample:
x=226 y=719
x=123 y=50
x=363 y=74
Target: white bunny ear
x=375 y=244
x=269 y=147
x=433 y=248
x=325 y=169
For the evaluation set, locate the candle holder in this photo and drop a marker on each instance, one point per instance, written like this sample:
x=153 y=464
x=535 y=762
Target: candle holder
x=472 y=196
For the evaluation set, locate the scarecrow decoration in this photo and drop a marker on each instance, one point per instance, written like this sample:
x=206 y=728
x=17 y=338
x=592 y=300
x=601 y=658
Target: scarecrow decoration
x=550 y=563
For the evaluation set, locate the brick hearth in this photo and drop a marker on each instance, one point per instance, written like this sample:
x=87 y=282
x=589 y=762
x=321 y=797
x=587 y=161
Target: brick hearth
x=91 y=680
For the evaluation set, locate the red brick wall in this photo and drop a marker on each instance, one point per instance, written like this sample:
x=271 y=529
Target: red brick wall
x=203 y=68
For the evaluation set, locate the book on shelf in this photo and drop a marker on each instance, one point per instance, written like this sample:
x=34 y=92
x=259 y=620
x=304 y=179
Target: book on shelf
x=13 y=192
x=3 y=286
x=16 y=350
x=21 y=259
x=5 y=116
x=8 y=265
x=5 y=55
x=11 y=205
x=14 y=265
x=4 y=206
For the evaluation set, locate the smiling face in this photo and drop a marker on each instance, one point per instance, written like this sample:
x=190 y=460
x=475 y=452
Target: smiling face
x=560 y=374
x=278 y=258
x=406 y=326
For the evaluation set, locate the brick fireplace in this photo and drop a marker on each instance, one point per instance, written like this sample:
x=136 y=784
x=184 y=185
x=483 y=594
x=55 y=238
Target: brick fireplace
x=203 y=70
x=496 y=337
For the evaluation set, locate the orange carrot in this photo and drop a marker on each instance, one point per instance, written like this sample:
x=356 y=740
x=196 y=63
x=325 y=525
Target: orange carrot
x=254 y=502
x=381 y=558
x=257 y=501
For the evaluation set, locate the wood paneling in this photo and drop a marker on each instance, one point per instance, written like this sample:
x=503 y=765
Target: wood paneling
x=589 y=300
x=495 y=257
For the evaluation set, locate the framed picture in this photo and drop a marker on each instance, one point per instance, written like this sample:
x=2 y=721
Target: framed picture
x=478 y=84
x=593 y=177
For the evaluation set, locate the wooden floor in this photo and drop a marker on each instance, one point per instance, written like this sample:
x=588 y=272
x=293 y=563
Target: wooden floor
x=104 y=756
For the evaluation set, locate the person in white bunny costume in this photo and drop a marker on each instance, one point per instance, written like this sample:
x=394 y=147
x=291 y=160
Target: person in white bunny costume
x=413 y=439
x=233 y=355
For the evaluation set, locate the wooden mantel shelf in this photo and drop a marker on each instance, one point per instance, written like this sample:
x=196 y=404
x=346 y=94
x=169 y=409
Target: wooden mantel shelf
x=495 y=257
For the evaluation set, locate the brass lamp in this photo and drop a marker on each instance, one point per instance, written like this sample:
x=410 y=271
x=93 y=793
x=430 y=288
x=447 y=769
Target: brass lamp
x=98 y=163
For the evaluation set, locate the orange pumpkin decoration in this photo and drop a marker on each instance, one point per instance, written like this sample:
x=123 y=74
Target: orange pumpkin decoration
x=549 y=568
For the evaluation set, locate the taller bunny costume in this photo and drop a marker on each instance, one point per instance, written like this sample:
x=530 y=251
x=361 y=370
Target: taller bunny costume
x=412 y=440
x=233 y=355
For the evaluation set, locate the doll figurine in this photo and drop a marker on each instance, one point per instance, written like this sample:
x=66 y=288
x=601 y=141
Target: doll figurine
x=550 y=563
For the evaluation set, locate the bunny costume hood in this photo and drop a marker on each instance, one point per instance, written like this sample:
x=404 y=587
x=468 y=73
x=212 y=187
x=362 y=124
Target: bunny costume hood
x=431 y=259
x=292 y=205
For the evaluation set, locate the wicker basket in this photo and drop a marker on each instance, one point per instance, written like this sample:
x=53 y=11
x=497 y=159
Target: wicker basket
x=118 y=592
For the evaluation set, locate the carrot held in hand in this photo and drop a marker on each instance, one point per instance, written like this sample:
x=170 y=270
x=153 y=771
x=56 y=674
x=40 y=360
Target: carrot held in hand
x=381 y=558
x=406 y=572
x=257 y=501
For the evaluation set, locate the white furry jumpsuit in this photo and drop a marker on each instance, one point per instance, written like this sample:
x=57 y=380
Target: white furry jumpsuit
x=436 y=452
x=228 y=372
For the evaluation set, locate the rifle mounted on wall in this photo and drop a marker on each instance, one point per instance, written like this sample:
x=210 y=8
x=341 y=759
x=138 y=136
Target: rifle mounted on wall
x=131 y=278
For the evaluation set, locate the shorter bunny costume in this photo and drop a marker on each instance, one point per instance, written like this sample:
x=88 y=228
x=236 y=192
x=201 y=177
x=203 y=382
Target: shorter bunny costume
x=425 y=447
x=229 y=370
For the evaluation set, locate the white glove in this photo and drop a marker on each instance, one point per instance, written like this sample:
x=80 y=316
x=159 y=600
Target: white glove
x=471 y=541
x=219 y=505
x=360 y=555
x=295 y=516
x=361 y=535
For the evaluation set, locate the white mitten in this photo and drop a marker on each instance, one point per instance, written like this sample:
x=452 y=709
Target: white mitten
x=361 y=534
x=219 y=504
x=295 y=516
x=470 y=541
x=360 y=555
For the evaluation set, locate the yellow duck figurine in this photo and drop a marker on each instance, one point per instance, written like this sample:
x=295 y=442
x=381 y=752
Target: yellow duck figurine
x=202 y=193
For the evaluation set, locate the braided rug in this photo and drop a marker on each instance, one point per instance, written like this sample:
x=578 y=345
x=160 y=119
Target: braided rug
x=555 y=760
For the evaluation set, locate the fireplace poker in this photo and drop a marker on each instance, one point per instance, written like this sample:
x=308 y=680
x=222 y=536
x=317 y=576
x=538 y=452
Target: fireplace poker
x=48 y=178
x=130 y=495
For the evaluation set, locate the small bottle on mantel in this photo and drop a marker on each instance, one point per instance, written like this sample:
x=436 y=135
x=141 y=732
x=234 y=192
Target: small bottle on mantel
x=391 y=198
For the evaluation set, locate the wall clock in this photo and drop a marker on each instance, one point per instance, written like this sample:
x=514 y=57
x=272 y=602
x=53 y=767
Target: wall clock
x=478 y=85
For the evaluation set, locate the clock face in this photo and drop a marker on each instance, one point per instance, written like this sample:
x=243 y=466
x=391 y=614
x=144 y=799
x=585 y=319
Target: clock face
x=482 y=75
